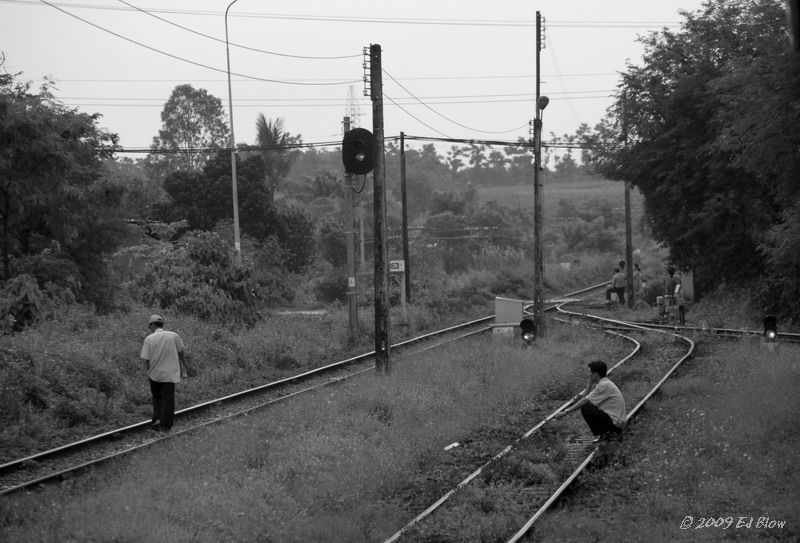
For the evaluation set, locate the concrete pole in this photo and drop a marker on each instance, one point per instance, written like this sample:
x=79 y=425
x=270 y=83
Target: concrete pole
x=350 y=242
x=234 y=184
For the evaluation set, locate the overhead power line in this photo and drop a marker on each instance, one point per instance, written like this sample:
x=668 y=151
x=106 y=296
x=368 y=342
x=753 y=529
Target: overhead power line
x=151 y=14
x=176 y=57
x=448 y=118
x=522 y=143
x=522 y=23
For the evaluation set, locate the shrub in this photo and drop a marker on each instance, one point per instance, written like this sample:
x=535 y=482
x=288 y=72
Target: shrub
x=199 y=279
x=331 y=287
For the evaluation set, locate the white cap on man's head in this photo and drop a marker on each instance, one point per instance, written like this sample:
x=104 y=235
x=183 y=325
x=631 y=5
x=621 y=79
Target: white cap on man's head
x=156 y=319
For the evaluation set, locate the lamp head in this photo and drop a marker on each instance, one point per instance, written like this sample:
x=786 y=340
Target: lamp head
x=543 y=101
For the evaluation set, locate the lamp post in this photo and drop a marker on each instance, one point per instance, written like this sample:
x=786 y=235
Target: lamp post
x=235 y=188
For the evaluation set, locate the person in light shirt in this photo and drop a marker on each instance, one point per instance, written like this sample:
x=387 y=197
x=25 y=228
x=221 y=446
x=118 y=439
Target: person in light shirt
x=163 y=353
x=601 y=404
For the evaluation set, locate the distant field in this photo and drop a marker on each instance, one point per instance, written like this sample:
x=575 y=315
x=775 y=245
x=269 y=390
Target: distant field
x=578 y=189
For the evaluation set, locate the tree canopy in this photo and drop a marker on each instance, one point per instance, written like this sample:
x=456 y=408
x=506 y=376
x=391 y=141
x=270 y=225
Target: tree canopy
x=58 y=214
x=193 y=127
x=706 y=128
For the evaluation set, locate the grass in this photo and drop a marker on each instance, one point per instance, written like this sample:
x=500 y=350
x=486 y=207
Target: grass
x=719 y=442
x=335 y=466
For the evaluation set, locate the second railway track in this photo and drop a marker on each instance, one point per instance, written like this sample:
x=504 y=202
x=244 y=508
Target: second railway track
x=63 y=461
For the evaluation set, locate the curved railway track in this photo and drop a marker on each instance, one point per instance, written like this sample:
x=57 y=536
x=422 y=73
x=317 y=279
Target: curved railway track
x=581 y=452
x=60 y=462
x=579 y=446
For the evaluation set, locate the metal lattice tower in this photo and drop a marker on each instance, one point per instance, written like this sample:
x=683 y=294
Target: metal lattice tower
x=352 y=108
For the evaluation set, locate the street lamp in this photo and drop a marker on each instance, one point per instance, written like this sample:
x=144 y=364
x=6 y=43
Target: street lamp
x=236 y=243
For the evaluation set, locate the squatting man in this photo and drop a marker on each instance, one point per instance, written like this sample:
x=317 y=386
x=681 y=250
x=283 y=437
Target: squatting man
x=601 y=404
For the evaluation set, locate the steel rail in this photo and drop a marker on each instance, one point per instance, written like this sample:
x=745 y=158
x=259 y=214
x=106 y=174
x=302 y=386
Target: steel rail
x=112 y=434
x=790 y=337
x=197 y=408
x=71 y=448
x=74 y=447
x=525 y=529
x=449 y=494
x=20 y=464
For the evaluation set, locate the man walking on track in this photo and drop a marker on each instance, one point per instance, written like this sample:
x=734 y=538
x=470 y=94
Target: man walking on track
x=163 y=353
x=602 y=404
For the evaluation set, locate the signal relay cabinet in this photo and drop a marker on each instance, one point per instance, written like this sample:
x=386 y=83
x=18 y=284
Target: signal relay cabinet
x=508 y=313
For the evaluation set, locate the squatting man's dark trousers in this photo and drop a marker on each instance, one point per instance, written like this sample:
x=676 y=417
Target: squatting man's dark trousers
x=598 y=420
x=163 y=403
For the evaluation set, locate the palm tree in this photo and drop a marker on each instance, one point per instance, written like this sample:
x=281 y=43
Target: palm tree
x=273 y=143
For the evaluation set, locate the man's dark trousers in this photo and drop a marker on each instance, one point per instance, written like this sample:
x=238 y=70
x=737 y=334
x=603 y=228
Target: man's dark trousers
x=163 y=403
x=598 y=420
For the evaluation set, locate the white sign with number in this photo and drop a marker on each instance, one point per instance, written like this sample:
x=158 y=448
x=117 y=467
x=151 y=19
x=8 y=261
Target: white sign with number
x=397 y=266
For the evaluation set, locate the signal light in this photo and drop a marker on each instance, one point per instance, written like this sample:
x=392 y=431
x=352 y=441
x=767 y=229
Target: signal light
x=527 y=331
x=358 y=151
x=771 y=328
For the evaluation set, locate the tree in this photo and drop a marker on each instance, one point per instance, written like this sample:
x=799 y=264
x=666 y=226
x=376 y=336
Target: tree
x=141 y=194
x=193 y=127
x=698 y=118
x=332 y=243
x=204 y=199
x=273 y=143
x=58 y=215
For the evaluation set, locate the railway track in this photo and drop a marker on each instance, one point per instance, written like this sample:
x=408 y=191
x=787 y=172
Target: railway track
x=579 y=450
x=64 y=461
x=576 y=448
x=60 y=462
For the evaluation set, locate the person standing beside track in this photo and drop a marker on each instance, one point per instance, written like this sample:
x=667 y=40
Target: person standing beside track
x=601 y=404
x=163 y=353
x=617 y=287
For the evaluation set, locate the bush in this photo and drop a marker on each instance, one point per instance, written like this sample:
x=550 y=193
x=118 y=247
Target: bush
x=199 y=279
x=332 y=287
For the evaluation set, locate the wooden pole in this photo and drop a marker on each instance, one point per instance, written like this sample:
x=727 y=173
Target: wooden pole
x=538 y=223
x=380 y=253
x=407 y=272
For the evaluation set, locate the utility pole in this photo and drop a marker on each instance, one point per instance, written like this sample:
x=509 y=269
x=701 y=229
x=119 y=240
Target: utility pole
x=350 y=241
x=407 y=270
x=628 y=246
x=538 y=223
x=234 y=183
x=628 y=235
x=380 y=253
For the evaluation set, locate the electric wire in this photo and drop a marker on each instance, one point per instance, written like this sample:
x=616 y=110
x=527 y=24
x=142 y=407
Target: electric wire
x=384 y=20
x=176 y=57
x=522 y=143
x=554 y=59
x=151 y=14
x=412 y=95
x=414 y=116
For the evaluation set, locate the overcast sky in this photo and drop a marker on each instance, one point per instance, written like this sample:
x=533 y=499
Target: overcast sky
x=452 y=68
